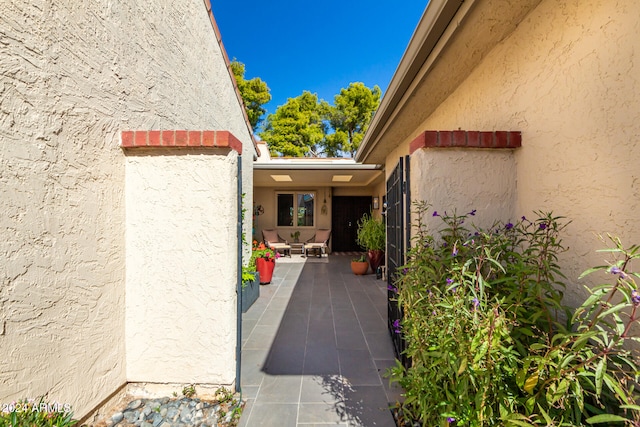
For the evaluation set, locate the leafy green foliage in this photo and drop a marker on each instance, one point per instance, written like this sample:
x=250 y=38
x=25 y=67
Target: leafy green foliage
x=371 y=233
x=31 y=412
x=248 y=275
x=189 y=391
x=296 y=129
x=227 y=400
x=349 y=118
x=306 y=126
x=490 y=342
x=255 y=93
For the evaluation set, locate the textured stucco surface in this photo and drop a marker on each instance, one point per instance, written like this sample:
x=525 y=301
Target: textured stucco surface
x=267 y=197
x=181 y=266
x=457 y=180
x=73 y=75
x=567 y=77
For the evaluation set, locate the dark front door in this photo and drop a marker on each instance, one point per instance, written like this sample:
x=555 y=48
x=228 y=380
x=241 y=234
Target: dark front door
x=346 y=211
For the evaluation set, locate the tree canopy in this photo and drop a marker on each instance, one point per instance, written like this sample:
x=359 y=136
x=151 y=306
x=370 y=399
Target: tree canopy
x=255 y=93
x=350 y=116
x=306 y=126
x=297 y=128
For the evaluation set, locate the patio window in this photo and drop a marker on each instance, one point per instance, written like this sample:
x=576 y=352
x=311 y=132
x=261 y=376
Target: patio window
x=295 y=209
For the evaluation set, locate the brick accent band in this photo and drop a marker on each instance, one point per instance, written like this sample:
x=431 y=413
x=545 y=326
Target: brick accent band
x=134 y=139
x=466 y=139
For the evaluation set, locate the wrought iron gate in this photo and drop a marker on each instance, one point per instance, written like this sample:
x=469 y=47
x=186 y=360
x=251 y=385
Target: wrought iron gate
x=398 y=221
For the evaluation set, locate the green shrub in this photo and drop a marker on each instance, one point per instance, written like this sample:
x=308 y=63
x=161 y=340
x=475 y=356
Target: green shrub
x=489 y=340
x=371 y=233
x=36 y=412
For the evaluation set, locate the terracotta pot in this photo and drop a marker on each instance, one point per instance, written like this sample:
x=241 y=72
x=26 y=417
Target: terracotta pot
x=376 y=259
x=265 y=268
x=359 y=267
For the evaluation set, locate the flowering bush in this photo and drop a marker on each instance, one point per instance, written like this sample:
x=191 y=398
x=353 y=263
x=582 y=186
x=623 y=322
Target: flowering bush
x=262 y=251
x=258 y=251
x=31 y=412
x=489 y=340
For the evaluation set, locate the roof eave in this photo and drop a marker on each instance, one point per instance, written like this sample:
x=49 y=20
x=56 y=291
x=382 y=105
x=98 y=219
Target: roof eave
x=314 y=166
x=433 y=24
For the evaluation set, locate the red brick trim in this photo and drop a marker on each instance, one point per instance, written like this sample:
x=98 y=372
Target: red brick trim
x=134 y=139
x=466 y=139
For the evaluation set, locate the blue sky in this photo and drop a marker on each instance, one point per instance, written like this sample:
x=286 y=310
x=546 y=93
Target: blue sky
x=321 y=46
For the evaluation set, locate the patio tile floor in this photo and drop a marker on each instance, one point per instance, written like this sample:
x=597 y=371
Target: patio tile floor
x=315 y=348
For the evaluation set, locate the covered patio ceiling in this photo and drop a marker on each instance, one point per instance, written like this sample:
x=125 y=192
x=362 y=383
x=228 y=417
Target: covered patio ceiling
x=296 y=173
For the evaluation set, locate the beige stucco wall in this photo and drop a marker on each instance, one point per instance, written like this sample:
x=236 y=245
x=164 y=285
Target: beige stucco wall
x=267 y=197
x=181 y=250
x=567 y=79
x=458 y=181
x=73 y=75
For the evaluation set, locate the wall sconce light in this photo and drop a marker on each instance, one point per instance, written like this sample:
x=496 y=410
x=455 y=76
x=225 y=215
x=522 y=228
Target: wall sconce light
x=376 y=203
x=324 y=209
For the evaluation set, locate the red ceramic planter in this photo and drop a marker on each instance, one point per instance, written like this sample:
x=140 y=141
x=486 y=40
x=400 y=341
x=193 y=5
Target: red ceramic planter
x=376 y=259
x=265 y=268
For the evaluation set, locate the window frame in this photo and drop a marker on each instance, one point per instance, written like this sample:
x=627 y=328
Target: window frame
x=296 y=194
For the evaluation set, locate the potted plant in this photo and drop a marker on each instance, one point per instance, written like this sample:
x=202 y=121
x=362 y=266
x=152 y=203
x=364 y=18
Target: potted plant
x=264 y=259
x=295 y=236
x=359 y=265
x=372 y=237
x=250 y=286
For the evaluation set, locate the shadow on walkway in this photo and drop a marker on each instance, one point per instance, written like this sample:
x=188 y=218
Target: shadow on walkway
x=326 y=357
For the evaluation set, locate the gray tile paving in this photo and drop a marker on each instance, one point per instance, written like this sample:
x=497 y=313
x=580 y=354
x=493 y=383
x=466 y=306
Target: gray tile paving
x=315 y=348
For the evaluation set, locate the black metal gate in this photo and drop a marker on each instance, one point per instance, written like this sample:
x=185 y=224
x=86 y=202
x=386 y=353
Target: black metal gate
x=398 y=221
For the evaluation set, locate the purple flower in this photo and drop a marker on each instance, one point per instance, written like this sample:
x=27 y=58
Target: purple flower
x=473 y=212
x=455 y=251
x=449 y=281
x=396 y=326
x=451 y=420
x=635 y=298
x=524 y=218
x=509 y=226
x=617 y=270
x=435 y=213
x=476 y=303
x=543 y=226
x=405 y=271
x=392 y=289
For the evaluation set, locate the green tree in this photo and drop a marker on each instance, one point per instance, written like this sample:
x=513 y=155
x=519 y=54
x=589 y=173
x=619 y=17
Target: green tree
x=349 y=117
x=255 y=93
x=297 y=128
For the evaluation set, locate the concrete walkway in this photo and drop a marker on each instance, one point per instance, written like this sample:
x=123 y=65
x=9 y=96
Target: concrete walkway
x=315 y=348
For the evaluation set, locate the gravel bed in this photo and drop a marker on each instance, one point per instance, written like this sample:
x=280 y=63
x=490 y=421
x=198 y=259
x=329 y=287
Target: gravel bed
x=178 y=412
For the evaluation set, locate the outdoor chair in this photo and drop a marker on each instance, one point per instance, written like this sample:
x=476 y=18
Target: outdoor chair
x=273 y=240
x=319 y=243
